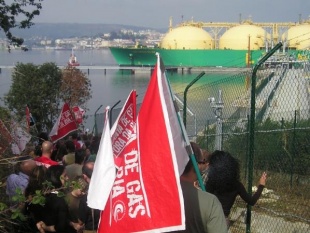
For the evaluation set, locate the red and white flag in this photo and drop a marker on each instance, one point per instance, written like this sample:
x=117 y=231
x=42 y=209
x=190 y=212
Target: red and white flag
x=29 y=119
x=78 y=114
x=124 y=128
x=104 y=170
x=146 y=195
x=64 y=125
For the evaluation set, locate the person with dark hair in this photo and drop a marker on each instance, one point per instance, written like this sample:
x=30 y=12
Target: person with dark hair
x=224 y=181
x=78 y=190
x=56 y=216
x=88 y=218
x=75 y=169
x=76 y=139
x=94 y=147
x=203 y=211
x=59 y=151
x=69 y=158
x=34 y=211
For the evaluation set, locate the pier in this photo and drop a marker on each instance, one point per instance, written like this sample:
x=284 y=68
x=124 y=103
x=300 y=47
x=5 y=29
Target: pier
x=149 y=69
x=132 y=69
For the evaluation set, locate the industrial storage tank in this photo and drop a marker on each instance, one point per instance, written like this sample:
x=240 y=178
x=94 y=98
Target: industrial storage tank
x=187 y=37
x=237 y=38
x=297 y=37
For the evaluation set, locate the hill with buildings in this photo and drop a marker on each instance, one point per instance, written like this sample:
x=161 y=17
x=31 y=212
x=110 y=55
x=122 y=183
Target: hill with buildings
x=66 y=30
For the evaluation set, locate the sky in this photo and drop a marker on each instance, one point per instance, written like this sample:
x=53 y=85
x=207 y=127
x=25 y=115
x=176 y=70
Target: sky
x=156 y=13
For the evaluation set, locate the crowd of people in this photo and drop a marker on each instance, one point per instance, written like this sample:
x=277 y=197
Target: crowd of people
x=54 y=180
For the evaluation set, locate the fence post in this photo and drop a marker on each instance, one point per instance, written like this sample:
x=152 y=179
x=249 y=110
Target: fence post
x=185 y=95
x=110 y=120
x=95 y=117
x=294 y=149
x=218 y=110
x=252 y=130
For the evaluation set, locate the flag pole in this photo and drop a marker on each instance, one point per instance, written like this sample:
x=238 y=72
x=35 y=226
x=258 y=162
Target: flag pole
x=184 y=133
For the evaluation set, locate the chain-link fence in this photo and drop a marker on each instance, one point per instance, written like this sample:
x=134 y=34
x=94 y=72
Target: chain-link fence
x=98 y=119
x=218 y=118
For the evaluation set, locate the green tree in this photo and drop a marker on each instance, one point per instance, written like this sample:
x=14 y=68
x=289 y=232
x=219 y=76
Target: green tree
x=44 y=88
x=23 y=11
x=38 y=87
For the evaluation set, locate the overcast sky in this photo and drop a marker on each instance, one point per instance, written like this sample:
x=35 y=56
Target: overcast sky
x=156 y=13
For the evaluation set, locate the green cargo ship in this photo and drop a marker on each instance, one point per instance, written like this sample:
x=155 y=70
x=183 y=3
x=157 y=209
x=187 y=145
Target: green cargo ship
x=189 y=45
x=183 y=58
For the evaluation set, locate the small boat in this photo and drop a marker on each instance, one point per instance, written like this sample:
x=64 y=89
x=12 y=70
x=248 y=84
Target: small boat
x=72 y=60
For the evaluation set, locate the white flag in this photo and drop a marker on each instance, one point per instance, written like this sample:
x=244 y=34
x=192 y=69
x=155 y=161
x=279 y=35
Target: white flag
x=104 y=170
x=20 y=138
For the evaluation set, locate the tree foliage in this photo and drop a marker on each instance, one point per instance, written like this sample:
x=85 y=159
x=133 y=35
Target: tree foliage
x=17 y=14
x=75 y=87
x=38 y=87
x=44 y=88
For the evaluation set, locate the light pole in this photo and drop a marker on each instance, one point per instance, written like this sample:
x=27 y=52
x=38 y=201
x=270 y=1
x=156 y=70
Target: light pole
x=217 y=108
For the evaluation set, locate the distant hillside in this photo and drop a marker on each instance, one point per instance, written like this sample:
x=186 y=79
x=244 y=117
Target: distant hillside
x=66 y=30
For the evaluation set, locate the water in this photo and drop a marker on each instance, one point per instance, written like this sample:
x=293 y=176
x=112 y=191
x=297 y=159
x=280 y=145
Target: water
x=107 y=89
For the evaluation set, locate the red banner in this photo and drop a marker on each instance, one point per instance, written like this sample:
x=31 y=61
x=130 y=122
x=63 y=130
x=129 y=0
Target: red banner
x=64 y=125
x=123 y=129
x=146 y=195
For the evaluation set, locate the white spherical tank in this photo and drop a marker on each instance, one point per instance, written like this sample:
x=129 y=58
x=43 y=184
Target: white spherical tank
x=239 y=38
x=297 y=37
x=187 y=37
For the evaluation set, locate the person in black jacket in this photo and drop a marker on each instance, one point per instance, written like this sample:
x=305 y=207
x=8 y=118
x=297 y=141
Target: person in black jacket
x=224 y=181
x=56 y=216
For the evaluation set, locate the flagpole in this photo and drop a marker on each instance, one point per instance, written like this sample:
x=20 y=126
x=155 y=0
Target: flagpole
x=110 y=115
x=184 y=133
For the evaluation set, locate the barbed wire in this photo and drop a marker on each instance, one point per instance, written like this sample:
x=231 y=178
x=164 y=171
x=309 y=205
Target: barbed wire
x=263 y=131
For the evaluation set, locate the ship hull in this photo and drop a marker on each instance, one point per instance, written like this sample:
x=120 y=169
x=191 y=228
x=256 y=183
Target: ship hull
x=184 y=58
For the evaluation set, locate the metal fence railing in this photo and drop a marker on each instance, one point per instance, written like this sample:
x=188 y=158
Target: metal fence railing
x=281 y=145
x=281 y=139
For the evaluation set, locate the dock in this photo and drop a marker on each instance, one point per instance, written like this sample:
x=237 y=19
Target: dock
x=149 y=69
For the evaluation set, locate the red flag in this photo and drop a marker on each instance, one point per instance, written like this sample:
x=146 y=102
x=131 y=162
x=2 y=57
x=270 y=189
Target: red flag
x=123 y=128
x=104 y=170
x=78 y=114
x=146 y=195
x=128 y=201
x=64 y=125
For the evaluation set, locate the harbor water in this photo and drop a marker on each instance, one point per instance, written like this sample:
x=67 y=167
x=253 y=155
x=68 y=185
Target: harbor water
x=108 y=87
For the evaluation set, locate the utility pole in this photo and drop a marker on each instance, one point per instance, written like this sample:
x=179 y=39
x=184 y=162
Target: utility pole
x=217 y=108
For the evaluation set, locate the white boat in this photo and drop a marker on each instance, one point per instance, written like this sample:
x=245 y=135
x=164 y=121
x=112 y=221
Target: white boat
x=73 y=60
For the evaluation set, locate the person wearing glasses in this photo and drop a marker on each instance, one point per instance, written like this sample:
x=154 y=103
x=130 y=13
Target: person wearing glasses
x=203 y=211
x=224 y=182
